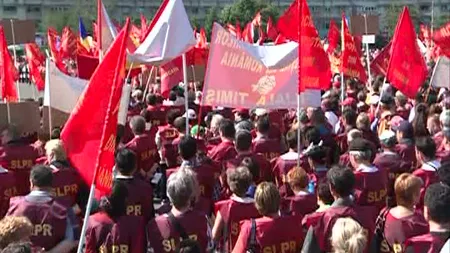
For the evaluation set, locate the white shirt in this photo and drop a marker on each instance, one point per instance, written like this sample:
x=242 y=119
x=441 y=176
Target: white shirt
x=431 y=165
x=289 y=156
x=366 y=169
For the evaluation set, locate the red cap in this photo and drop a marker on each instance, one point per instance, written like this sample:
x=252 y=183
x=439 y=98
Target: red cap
x=349 y=102
x=337 y=85
x=242 y=111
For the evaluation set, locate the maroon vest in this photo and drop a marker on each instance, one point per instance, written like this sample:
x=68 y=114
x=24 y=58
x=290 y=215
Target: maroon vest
x=394 y=167
x=408 y=154
x=300 y=205
x=265 y=171
x=140 y=198
x=310 y=220
x=66 y=185
x=19 y=158
x=428 y=177
x=169 y=153
x=269 y=148
x=48 y=219
x=280 y=170
x=146 y=151
x=233 y=213
x=163 y=237
x=7 y=190
x=370 y=189
x=127 y=234
x=156 y=115
x=223 y=152
x=427 y=243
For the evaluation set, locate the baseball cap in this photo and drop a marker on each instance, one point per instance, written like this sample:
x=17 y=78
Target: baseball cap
x=406 y=128
x=388 y=138
x=242 y=111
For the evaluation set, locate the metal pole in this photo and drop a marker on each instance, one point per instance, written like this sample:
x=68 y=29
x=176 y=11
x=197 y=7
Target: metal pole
x=148 y=81
x=342 y=89
x=299 y=99
x=15 y=55
x=86 y=218
x=47 y=81
x=367 y=52
x=186 y=94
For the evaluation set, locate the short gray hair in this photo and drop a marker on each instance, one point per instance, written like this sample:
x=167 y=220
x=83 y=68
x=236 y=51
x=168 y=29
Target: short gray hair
x=215 y=121
x=182 y=187
x=444 y=118
x=353 y=134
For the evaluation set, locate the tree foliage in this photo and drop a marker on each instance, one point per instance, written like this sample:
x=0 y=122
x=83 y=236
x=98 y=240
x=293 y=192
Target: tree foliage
x=211 y=17
x=244 y=11
x=393 y=13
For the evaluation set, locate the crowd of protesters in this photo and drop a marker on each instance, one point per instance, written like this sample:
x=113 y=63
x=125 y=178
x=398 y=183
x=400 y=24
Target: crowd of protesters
x=372 y=175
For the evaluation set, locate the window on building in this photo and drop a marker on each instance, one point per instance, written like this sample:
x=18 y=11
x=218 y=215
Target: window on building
x=33 y=8
x=424 y=7
x=9 y=8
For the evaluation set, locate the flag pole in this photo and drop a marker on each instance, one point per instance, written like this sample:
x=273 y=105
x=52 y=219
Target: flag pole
x=15 y=56
x=367 y=51
x=299 y=99
x=186 y=102
x=148 y=81
x=8 y=111
x=342 y=90
x=86 y=218
x=47 y=80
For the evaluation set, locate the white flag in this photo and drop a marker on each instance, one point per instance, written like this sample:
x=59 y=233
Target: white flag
x=61 y=91
x=171 y=36
x=108 y=30
x=441 y=73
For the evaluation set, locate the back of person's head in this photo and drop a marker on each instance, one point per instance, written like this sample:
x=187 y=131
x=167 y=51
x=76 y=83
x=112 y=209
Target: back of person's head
x=401 y=98
x=55 y=149
x=317 y=155
x=349 y=116
x=426 y=146
x=56 y=133
x=297 y=179
x=362 y=96
x=137 y=125
x=14 y=229
x=252 y=166
x=182 y=188
x=188 y=246
x=437 y=203
x=444 y=173
x=239 y=180
x=263 y=125
x=353 y=135
x=363 y=122
x=151 y=99
x=115 y=204
x=11 y=132
x=180 y=124
x=267 y=199
x=341 y=180
x=172 y=96
x=187 y=147
x=348 y=236
x=291 y=139
x=216 y=119
x=226 y=129
x=323 y=192
x=420 y=121
x=407 y=189
x=172 y=115
x=125 y=161
x=243 y=141
x=312 y=135
x=18 y=247
x=41 y=176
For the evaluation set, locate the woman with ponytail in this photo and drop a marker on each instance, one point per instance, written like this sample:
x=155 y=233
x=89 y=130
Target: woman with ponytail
x=348 y=236
x=420 y=121
x=111 y=229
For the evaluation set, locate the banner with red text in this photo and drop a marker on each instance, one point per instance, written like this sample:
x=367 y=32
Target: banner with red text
x=247 y=76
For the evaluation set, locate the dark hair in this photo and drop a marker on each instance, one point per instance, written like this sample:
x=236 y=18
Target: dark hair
x=151 y=99
x=188 y=246
x=187 y=147
x=291 y=139
x=426 y=146
x=172 y=115
x=172 y=95
x=341 y=180
x=323 y=192
x=125 y=161
x=349 y=115
x=115 y=204
x=252 y=166
x=243 y=140
x=180 y=124
x=17 y=247
x=263 y=125
x=362 y=96
x=137 y=124
x=437 y=200
x=444 y=173
x=226 y=128
x=56 y=133
x=312 y=135
x=420 y=121
x=317 y=154
x=41 y=176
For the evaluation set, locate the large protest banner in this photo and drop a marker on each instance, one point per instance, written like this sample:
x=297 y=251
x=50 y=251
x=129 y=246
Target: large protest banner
x=244 y=75
x=19 y=31
x=24 y=115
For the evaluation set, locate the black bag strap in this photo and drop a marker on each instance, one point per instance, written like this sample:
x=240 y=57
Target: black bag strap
x=251 y=245
x=380 y=225
x=176 y=224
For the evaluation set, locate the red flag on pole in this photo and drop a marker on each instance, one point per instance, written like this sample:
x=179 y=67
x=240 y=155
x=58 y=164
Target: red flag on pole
x=442 y=39
x=380 y=64
x=272 y=31
x=280 y=39
x=52 y=41
x=247 y=34
x=333 y=37
x=407 y=69
x=68 y=43
x=89 y=135
x=36 y=62
x=351 y=64
x=238 y=30
x=288 y=22
x=315 y=64
x=7 y=70
x=143 y=27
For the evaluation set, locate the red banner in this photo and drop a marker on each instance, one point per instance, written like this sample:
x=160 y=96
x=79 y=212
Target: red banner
x=7 y=71
x=68 y=43
x=407 y=69
x=333 y=36
x=240 y=75
x=36 y=64
x=171 y=75
x=380 y=64
x=442 y=39
x=86 y=66
x=351 y=64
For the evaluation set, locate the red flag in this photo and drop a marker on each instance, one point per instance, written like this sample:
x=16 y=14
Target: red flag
x=442 y=39
x=36 y=63
x=68 y=43
x=86 y=66
x=407 y=69
x=314 y=65
x=171 y=75
x=238 y=31
x=257 y=19
x=351 y=64
x=247 y=34
x=262 y=36
x=7 y=70
x=52 y=38
x=358 y=43
x=231 y=29
x=201 y=40
x=425 y=33
x=288 y=21
x=143 y=27
x=90 y=133
x=280 y=39
x=333 y=37
x=272 y=31
x=380 y=64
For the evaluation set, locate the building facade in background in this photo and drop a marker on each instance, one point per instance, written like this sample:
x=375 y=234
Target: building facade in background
x=322 y=10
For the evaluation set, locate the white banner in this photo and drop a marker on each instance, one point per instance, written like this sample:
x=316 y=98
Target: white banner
x=441 y=73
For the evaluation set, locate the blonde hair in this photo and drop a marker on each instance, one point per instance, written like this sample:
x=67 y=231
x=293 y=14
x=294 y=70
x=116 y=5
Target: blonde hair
x=14 y=229
x=267 y=198
x=348 y=236
x=407 y=187
x=297 y=178
x=56 y=147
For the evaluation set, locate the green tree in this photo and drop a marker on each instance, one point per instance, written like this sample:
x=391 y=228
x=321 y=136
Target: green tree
x=211 y=17
x=244 y=11
x=195 y=23
x=393 y=13
x=441 y=20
